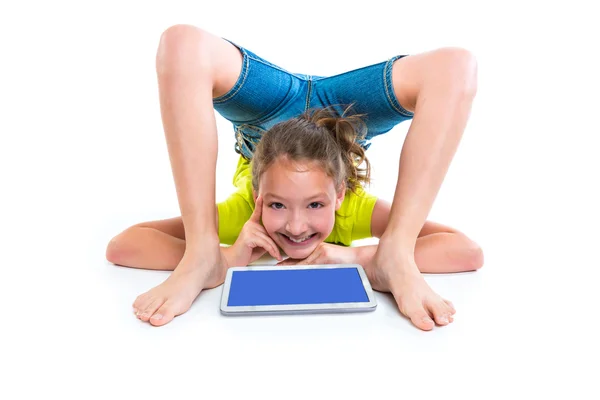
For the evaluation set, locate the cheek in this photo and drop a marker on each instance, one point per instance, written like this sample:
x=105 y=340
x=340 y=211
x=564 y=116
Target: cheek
x=324 y=221
x=271 y=221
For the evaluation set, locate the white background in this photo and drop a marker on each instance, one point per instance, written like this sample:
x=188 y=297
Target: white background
x=83 y=157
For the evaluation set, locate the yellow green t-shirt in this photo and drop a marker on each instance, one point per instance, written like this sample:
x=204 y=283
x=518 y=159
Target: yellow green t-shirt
x=352 y=220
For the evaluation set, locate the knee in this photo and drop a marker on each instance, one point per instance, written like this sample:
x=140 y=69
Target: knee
x=181 y=46
x=460 y=68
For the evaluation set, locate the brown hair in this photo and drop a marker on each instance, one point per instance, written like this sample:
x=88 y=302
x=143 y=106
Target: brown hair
x=319 y=135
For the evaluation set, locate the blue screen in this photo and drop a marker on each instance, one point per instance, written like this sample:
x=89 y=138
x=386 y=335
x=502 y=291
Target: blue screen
x=296 y=286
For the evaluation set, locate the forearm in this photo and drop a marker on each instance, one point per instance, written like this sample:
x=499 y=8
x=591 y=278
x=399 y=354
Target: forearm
x=364 y=255
x=441 y=252
x=146 y=248
x=229 y=254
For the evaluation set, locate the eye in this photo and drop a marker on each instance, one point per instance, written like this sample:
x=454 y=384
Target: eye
x=315 y=205
x=276 y=206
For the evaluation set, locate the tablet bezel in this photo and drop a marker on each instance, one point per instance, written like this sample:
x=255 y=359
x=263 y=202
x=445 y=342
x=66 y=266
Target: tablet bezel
x=297 y=308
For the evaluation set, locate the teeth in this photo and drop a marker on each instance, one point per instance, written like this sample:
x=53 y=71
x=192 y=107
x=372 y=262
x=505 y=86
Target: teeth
x=299 y=240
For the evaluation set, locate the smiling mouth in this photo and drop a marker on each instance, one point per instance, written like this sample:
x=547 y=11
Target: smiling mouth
x=300 y=241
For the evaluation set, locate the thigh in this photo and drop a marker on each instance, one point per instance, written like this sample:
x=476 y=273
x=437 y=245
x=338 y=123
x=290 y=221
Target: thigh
x=263 y=95
x=371 y=92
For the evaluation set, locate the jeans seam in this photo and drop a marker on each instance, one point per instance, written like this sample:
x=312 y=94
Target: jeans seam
x=387 y=76
x=245 y=68
x=271 y=66
x=308 y=93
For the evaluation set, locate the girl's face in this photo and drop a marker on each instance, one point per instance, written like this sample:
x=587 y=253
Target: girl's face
x=299 y=204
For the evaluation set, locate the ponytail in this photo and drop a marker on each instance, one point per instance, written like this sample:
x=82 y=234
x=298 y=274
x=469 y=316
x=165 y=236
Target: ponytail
x=346 y=129
x=321 y=135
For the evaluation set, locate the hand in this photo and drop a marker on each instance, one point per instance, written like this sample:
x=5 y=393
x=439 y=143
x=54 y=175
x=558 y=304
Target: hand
x=326 y=253
x=253 y=241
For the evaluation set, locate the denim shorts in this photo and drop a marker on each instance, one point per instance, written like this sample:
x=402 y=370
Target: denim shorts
x=266 y=94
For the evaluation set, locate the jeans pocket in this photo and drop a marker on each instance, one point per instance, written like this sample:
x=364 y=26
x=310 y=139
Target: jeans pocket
x=247 y=138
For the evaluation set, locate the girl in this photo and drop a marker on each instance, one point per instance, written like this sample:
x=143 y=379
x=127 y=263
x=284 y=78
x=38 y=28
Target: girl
x=199 y=73
x=306 y=181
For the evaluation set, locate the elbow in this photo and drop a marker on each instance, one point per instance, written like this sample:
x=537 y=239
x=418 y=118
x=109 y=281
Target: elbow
x=116 y=249
x=473 y=257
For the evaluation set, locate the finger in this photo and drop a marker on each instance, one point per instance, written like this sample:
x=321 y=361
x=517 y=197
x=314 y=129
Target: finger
x=287 y=261
x=311 y=259
x=274 y=249
x=268 y=244
x=257 y=210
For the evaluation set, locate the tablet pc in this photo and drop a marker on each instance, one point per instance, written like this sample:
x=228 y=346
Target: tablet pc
x=296 y=289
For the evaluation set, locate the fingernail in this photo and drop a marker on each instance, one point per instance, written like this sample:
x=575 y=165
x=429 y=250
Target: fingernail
x=427 y=320
x=145 y=314
x=444 y=319
x=135 y=311
x=157 y=316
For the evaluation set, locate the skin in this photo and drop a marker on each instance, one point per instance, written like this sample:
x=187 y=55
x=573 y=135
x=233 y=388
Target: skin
x=294 y=213
x=193 y=66
x=282 y=209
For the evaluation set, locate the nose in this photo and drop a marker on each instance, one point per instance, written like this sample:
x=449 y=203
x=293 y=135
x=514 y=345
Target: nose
x=296 y=224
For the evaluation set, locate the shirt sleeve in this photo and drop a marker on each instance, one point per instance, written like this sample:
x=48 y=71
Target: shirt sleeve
x=365 y=203
x=233 y=214
x=237 y=208
x=353 y=219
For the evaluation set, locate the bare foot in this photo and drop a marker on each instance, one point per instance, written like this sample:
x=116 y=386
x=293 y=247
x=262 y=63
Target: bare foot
x=175 y=295
x=415 y=299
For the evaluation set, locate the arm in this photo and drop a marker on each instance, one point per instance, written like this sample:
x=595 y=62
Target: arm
x=252 y=243
x=381 y=216
x=237 y=209
x=438 y=249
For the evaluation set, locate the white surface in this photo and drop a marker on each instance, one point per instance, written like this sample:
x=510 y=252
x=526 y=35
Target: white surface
x=83 y=156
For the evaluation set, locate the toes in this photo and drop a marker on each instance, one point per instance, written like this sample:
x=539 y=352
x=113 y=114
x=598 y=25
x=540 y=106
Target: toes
x=140 y=303
x=449 y=304
x=419 y=317
x=422 y=320
x=145 y=313
x=413 y=309
x=163 y=315
x=441 y=311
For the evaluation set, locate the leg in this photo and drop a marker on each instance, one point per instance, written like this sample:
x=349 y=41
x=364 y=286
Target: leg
x=439 y=88
x=192 y=67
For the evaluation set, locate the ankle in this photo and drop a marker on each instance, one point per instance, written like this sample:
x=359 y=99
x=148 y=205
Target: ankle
x=202 y=246
x=401 y=246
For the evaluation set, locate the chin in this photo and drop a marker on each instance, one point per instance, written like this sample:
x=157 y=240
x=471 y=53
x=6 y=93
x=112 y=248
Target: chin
x=298 y=254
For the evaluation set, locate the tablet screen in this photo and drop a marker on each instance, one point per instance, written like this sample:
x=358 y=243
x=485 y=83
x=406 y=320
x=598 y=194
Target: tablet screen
x=296 y=286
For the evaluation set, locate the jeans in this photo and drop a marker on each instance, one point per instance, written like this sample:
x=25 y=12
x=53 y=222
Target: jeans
x=266 y=94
